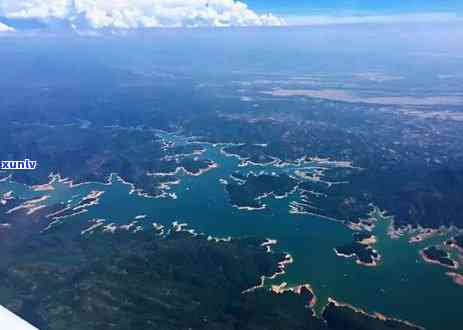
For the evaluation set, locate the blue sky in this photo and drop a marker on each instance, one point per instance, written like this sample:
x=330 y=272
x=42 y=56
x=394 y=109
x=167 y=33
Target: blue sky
x=322 y=12
x=374 y=7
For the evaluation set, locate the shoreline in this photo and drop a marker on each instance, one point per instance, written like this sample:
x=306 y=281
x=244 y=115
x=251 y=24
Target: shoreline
x=281 y=268
x=456 y=277
x=30 y=205
x=283 y=287
x=376 y=315
x=374 y=263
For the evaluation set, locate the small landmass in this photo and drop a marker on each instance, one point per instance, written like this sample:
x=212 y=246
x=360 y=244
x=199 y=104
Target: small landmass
x=250 y=154
x=361 y=248
x=436 y=255
x=248 y=192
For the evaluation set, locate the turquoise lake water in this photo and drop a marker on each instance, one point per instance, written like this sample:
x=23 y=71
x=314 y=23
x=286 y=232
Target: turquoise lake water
x=402 y=286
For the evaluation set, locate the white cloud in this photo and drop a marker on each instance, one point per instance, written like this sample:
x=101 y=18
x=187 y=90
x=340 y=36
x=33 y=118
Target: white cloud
x=5 y=28
x=34 y=8
x=130 y=14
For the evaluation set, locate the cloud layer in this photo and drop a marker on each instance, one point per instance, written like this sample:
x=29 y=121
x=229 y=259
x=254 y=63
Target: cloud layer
x=132 y=14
